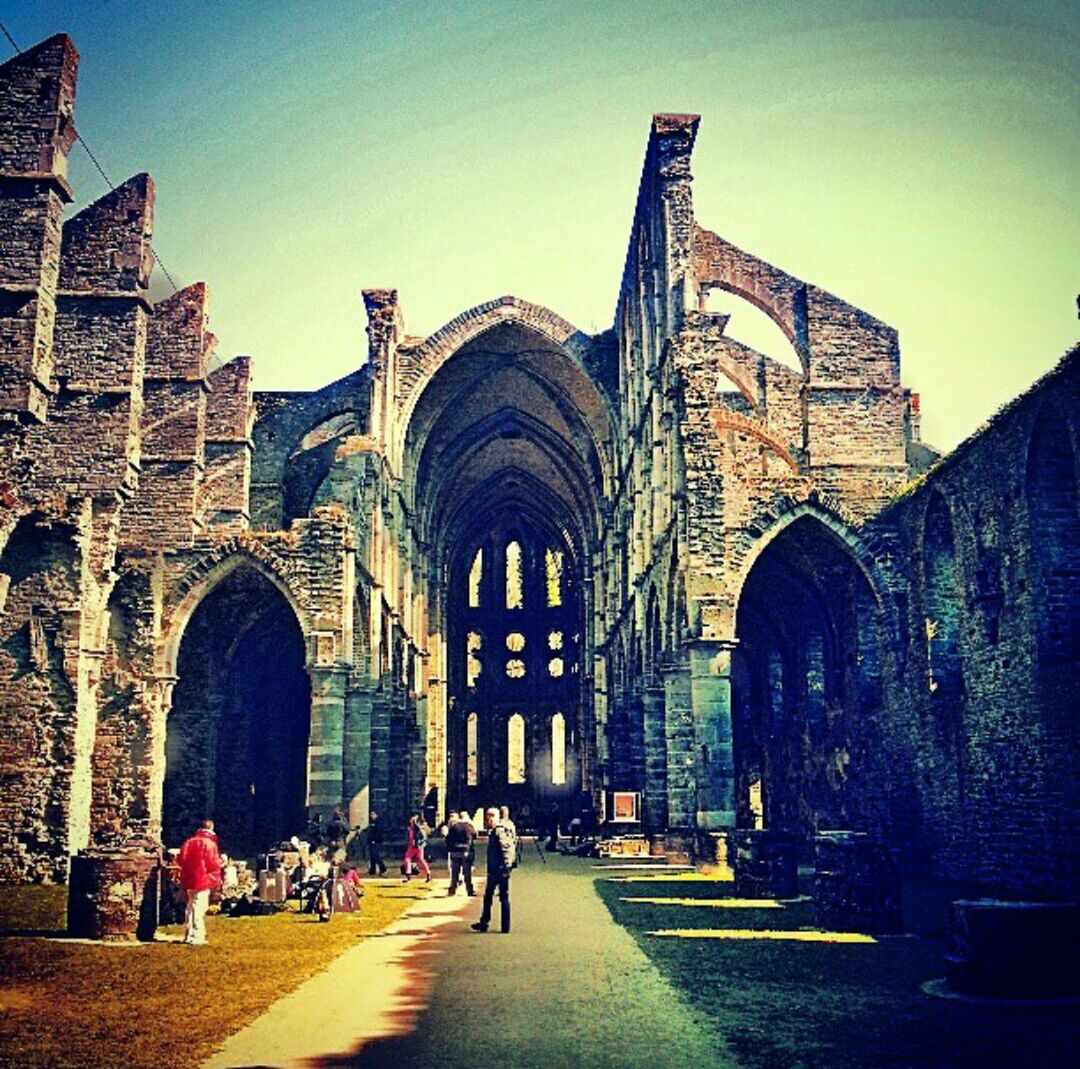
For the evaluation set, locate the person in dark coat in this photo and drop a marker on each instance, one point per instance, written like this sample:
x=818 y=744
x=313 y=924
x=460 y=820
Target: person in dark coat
x=501 y=856
x=376 y=865
x=460 y=835
x=337 y=832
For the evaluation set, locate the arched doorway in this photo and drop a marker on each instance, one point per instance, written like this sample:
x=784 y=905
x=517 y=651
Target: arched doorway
x=806 y=681
x=237 y=735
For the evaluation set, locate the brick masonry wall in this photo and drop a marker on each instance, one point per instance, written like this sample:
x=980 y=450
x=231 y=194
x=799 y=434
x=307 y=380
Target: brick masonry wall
x=994 y=761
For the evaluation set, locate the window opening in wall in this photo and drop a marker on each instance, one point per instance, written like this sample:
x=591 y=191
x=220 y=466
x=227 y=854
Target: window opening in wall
x=476 y=575
x=472 y=750
x=556 y=667
x=553 y=560
x=515 y=642
x=514 y=587
x=558 y=749
x=750 y=326
x=515 y=668
x=1054 y=523
x=515 y=749
x=473 y=667
x=555 y=640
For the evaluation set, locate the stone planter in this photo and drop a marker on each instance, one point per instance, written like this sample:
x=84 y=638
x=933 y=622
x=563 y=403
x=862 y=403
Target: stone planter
x=1014 y=949
x=856 y=883
x=112 y=893
x=765 y=863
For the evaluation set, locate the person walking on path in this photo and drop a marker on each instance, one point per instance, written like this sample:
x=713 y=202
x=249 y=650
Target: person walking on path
x=200 y=873
x=376 y=865
x=414 y=849
x=501 y=858
x=460 y=835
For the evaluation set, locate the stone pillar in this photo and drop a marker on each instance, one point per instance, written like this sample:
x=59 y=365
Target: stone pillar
x=113 y=893
x=327 y=739
x=765 y=863
x=1014 y=950
x=655 y=803
x=710 y=698
x=380 y=752
x=679 y=739
x=356 y=754
x=856 y=883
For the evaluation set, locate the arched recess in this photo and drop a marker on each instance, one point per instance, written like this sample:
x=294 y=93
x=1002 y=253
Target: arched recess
x=509 y=441
x=805 y=686
x=236 y=747
x=1054 y=526
x=308 y=465
x=39 y=623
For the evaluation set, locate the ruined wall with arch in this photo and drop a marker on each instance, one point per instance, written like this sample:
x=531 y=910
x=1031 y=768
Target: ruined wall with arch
x=923 y=686
x=983 y=672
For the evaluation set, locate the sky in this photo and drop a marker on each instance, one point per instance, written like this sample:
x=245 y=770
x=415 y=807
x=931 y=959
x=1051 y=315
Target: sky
x=919 y=160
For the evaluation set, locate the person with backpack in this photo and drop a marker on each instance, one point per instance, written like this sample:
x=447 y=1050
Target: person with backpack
x=501 y=859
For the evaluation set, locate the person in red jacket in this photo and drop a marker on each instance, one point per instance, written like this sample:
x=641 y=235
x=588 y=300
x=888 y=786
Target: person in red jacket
x=200 y=872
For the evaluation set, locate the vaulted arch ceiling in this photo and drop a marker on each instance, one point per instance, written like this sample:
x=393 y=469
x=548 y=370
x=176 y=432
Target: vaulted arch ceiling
x=510 y=421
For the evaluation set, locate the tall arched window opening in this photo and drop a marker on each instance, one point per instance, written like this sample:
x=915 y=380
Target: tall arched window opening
x=515 y=595
x=515 y=749
x=472 y=750
x=558 y=749
x=476 y=577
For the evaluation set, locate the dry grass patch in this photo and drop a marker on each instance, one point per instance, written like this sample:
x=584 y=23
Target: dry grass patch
x=164 y=1004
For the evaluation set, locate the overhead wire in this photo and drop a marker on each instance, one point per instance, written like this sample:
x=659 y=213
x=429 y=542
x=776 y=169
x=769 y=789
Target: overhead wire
x=101 y=171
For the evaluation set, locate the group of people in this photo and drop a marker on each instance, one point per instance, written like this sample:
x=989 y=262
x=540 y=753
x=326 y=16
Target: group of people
x=201 y=862
x=460 y=834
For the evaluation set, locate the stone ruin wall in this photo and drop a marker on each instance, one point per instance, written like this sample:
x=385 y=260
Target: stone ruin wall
x=132 y=473
x=117 y=441
x=980 y=708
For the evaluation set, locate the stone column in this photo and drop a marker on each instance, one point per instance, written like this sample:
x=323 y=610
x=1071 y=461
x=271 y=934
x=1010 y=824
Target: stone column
x=356 y=753
x=710 y=697
x=380 y=751
x=327 y=739
x=655 y=805
x=679 y=739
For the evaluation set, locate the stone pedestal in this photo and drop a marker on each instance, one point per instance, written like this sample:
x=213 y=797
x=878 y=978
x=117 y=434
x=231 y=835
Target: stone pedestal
x=765 y=863
x=1014 y=949
x=856 y=883
x=112 y=894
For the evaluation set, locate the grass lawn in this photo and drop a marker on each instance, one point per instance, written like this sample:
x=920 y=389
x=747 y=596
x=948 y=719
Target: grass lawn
x=786 y=1005
x=157 y=1004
